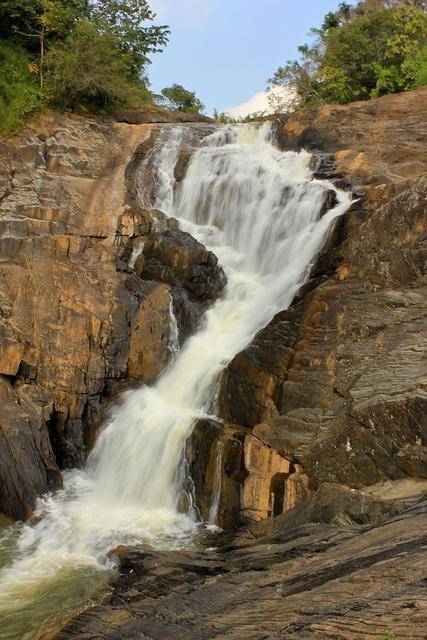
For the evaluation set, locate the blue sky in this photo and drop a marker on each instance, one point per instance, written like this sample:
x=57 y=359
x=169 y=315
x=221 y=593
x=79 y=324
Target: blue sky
x=226 y=50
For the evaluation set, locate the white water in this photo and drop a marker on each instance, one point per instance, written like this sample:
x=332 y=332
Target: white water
x=257 y=208
x=213 y=513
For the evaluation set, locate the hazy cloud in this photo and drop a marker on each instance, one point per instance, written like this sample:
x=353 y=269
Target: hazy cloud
x=258 y=102
x=264 y=101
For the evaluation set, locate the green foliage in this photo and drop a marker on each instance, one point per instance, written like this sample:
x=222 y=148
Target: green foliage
x=89 y=54
x=126 y=20
x=359 y=53
x=418 y=67
x=24 y=19
x=227 y=118
x=88 y=71
x=19 y=91
x=18 y=17
x=181 y=99
x=223 y=117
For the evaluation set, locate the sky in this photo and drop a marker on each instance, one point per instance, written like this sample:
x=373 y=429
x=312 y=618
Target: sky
x=226 y=50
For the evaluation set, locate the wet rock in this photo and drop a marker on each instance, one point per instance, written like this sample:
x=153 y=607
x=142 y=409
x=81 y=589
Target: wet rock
x=175 y=257
x=209 y=440
x=263 y=489
x=333 y=504
x=329 y=201
x=182 y=163
x=251 y=383
x=27 y=464
x=309 y=582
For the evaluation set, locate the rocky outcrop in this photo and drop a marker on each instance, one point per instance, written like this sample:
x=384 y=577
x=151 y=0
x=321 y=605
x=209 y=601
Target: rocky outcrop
x=176 y=258
x=336 y=384
x=306 y=583
x=82 y=308
x=28 y=466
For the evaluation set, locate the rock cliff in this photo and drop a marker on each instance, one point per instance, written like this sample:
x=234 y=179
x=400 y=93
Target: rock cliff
x=322 y=434
x=81 y=311
x=333 y=390
x=323 y=428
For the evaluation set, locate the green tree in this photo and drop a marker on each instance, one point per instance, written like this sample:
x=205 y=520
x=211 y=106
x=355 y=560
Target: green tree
x=418 y=66
x=360 y=52
x=223 y=117
x=20 y=19
x=18 y=16
x=36 y=22
x=127 y=21
x=181 y=99
x=88 y=70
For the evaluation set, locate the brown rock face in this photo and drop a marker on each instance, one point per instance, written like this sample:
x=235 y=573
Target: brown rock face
x=178 y=259
x=377 y=142
x=27 y=463
x=81 y=308
x=311 y=582
x=336 y=384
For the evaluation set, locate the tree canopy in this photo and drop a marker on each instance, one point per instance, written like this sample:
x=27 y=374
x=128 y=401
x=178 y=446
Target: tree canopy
x=360 y=52
x=181 y=99
x=89 y=54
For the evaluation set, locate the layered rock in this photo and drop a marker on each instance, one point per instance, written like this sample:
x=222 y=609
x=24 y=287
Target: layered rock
x=306 y=583
x=336 y=384
x=81 y=308
x=250 y=479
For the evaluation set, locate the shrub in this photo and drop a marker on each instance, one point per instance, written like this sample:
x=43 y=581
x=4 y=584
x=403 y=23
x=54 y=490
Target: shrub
x=19 y=92
x=418 y=66
x=181 y=99
x=89 y=71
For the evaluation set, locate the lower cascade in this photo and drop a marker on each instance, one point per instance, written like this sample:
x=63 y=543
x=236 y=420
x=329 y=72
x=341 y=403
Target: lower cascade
x=260 y=211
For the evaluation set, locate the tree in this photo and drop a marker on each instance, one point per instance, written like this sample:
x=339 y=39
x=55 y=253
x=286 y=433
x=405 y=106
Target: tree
x=126 y=20
x=20 y=19
x=181 y=99
x=31 y=22
x=223 y=117
x=88 y=70
x=359 y=52
x=53 y=18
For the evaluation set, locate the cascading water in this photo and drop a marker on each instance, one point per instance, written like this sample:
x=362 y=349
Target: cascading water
x=213 y=513
x=258 y=209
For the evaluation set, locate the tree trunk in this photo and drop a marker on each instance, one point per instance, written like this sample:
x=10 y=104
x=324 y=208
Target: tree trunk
x=41 y=56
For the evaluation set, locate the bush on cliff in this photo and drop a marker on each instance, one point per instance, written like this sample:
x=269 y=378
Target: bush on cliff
x=90 y=72
x=19 y=90
x=360 y=52
x=181 y=99
x=89 y=54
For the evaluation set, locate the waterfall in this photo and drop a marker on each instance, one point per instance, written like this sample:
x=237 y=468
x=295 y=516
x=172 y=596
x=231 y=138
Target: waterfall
x=173 y=331
x=258 y=209
x=136 y=252
x=213 y=513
